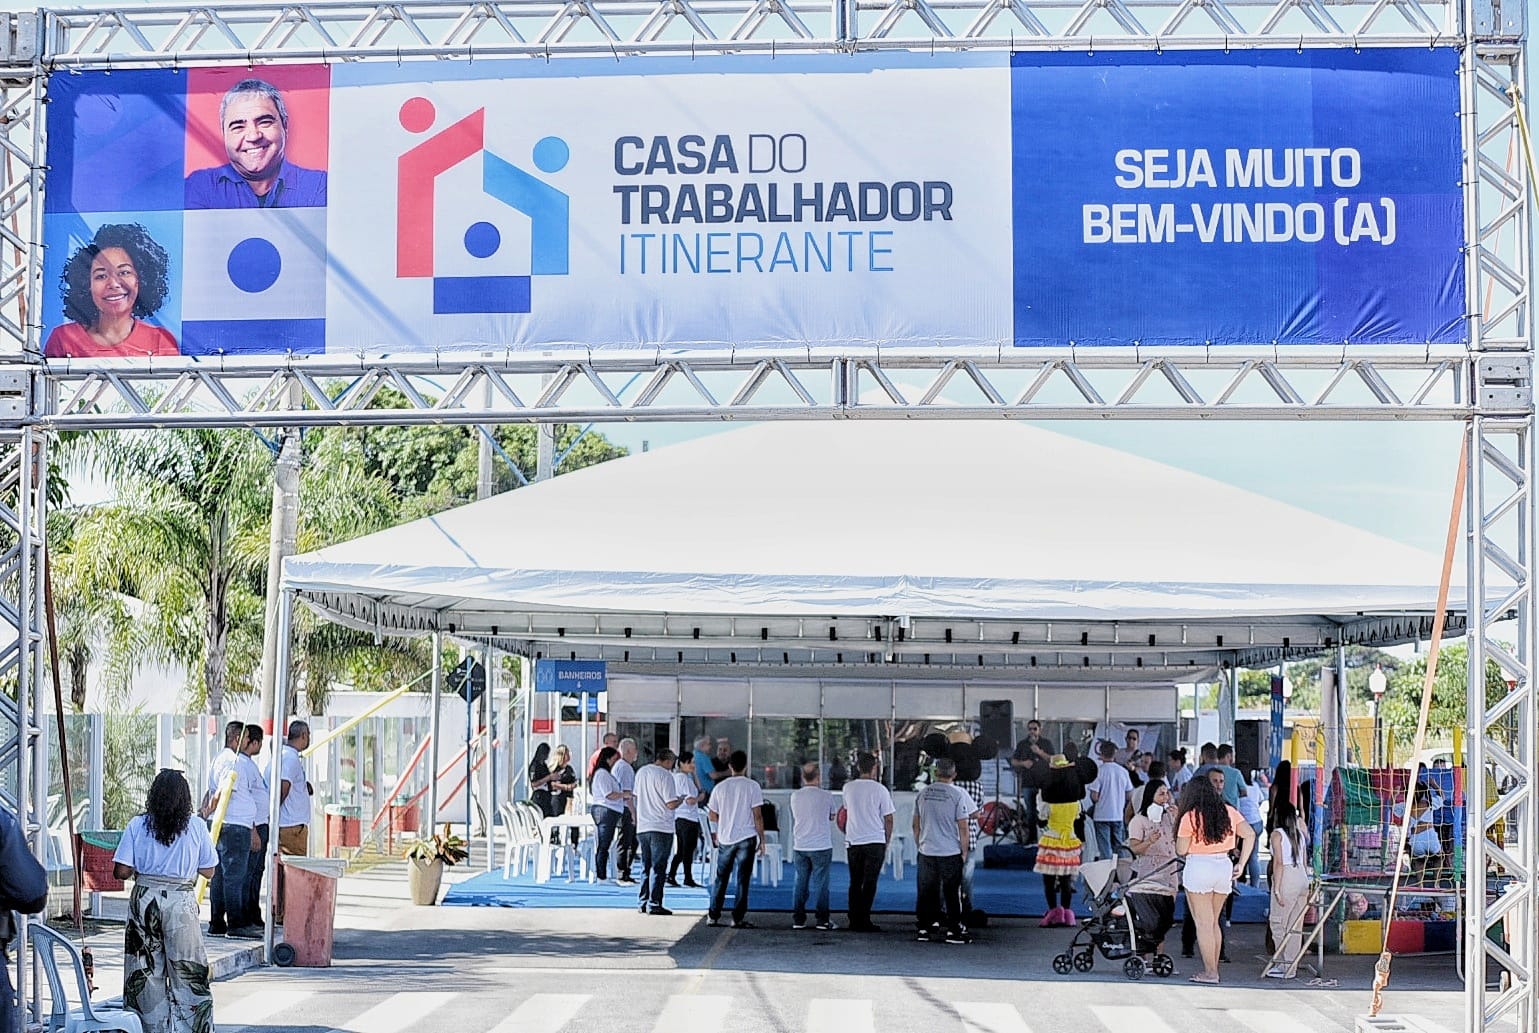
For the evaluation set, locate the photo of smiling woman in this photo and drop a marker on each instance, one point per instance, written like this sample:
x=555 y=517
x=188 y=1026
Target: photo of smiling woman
x=109 y=287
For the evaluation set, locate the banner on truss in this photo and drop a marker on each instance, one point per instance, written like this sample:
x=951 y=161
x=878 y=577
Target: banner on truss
x=894 y=200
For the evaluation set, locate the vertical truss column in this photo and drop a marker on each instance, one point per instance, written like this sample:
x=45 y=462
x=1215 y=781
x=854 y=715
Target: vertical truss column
x=1501 y=941
x=23 y=518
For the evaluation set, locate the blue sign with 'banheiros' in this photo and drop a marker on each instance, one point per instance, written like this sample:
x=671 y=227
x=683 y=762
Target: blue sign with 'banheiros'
x=571 y=676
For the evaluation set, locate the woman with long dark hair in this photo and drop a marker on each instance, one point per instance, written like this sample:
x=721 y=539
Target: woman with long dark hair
x=165 y=969
x=1059 y=849
x=607 y=803
x=1207 y=831
x=1152 y=838
x=540 y=779
x=1289 y=882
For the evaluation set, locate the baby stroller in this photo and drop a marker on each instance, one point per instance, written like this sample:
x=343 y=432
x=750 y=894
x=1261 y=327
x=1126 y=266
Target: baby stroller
x=1113 y=927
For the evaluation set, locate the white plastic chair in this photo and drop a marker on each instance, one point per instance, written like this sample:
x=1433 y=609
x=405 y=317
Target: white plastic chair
x=522 y=840
x=767 y=865
x=62 y=1018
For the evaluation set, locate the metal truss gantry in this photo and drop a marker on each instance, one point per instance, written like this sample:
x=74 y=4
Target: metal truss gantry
x=1487 y=385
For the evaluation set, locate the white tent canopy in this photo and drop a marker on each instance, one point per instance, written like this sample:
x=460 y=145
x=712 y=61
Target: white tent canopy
x=984 y=544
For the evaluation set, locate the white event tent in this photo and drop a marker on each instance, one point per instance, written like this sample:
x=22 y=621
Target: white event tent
x=942 y=544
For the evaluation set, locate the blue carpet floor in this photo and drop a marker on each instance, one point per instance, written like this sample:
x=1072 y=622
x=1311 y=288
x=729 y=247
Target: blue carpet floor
x=999 y=891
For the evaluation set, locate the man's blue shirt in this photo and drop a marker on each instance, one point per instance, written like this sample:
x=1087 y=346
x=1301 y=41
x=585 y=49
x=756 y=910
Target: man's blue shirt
x=223 y=187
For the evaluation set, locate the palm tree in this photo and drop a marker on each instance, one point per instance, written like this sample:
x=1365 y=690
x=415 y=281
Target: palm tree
x=182 y=496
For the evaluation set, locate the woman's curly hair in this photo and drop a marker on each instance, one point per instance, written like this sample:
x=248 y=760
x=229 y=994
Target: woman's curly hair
x=168 y=807
x=149 y=258
x=1213 y=824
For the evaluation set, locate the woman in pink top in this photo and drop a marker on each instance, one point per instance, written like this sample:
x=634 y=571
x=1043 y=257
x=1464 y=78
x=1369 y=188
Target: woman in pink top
x=110 y=286
x=1206 y=834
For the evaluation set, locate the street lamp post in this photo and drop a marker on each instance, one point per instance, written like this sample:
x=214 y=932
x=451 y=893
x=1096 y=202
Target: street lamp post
x=1377 y=684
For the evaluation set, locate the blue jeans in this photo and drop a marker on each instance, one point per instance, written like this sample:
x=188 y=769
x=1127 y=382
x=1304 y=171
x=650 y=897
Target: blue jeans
x=1253 y=866
x=227 y=889
x=1109 y=839
x=655 y=848
x=733 y=858
x=811 y=880
x=607 y=821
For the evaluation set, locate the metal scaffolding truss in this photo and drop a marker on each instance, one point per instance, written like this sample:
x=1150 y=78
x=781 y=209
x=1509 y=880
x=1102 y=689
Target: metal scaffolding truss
x=157 y=34
x=752 y=387
x=1488 y=385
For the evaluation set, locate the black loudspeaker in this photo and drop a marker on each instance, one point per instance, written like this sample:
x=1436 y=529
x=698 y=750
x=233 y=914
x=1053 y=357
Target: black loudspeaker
x=1250 y=748
x=996 y=721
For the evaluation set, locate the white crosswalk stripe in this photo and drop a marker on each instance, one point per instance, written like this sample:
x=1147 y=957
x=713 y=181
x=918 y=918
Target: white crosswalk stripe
x=258 y=1008
x=1123 y=1017
x=542 y=1011
x=692 y=1011
x=1267 y=1021
x=398 y=1012
x=990 y=1018
x=840 y=1016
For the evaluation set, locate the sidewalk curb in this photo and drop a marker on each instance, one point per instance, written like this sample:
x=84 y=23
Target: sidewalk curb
x=228 y=966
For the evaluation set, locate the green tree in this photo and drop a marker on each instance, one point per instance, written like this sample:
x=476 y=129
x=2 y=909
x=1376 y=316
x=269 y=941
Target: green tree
x=182 y=497
x=1449 y=710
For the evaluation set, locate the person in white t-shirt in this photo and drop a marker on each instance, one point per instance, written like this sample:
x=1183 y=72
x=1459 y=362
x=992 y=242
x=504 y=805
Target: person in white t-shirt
x=868 y=817
x=1109 y=792
x=164 y=850
x=686 y=820
x=737 y=809
x=657 y=798
x=237 y=835
x=813 y=810
x=606 y=802
x=625 y=773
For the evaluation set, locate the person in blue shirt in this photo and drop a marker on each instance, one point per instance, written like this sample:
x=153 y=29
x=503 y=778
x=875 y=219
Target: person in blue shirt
x=254 y=122
x=703 y=766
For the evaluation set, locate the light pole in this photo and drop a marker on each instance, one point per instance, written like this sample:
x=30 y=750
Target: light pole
x=1377 y=684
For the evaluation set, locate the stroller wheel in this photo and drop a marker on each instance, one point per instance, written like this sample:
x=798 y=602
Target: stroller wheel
x=1133 y=968
x=1063 y=964
x=1084 y=961
x=1163 y=966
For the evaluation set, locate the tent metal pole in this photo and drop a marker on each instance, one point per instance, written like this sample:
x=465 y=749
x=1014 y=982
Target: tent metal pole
x=437 y=693
x=489 y=770
x=1344 y=740
x=282 y=661
x=1227 y=679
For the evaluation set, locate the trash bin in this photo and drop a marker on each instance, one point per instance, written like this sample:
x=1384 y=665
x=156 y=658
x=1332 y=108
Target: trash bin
x=309 y=910
x=343 y=828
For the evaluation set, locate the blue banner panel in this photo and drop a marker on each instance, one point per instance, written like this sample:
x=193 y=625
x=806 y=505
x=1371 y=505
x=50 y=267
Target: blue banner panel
x=571 y=676
x=1203 y=198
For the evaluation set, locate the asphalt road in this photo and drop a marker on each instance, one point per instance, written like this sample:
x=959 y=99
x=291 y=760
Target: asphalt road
x=489 y=970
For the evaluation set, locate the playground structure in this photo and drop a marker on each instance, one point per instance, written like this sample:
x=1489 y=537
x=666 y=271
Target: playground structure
x=1483 y=381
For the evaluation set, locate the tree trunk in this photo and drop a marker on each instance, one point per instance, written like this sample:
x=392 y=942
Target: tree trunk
x=79 y=664
x=217 y=633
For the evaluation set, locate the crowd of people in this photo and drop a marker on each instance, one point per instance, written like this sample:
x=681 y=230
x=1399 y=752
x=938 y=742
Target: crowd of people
x=1185 y=829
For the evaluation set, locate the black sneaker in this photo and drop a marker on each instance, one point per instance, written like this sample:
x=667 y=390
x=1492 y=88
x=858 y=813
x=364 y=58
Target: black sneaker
x=671 y=882
x=218 y=930
x=826 y=927
x=744 y=924
x=642 y=907
x=800 y=923
x=247 y=932
x=953 y=936
x=712 y=920
x=658 y=910
x=626 y=880
x=922 y=935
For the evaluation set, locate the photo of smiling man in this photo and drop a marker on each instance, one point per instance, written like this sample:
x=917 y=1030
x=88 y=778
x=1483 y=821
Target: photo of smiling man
x=254 y=122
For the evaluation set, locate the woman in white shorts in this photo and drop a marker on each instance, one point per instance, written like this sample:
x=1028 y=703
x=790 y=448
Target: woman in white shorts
x=1206 y=832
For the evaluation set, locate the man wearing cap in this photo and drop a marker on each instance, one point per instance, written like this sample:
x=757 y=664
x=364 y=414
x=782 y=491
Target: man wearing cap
x=941 y=813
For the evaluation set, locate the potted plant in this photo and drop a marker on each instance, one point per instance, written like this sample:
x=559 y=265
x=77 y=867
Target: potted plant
x=425 y=860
